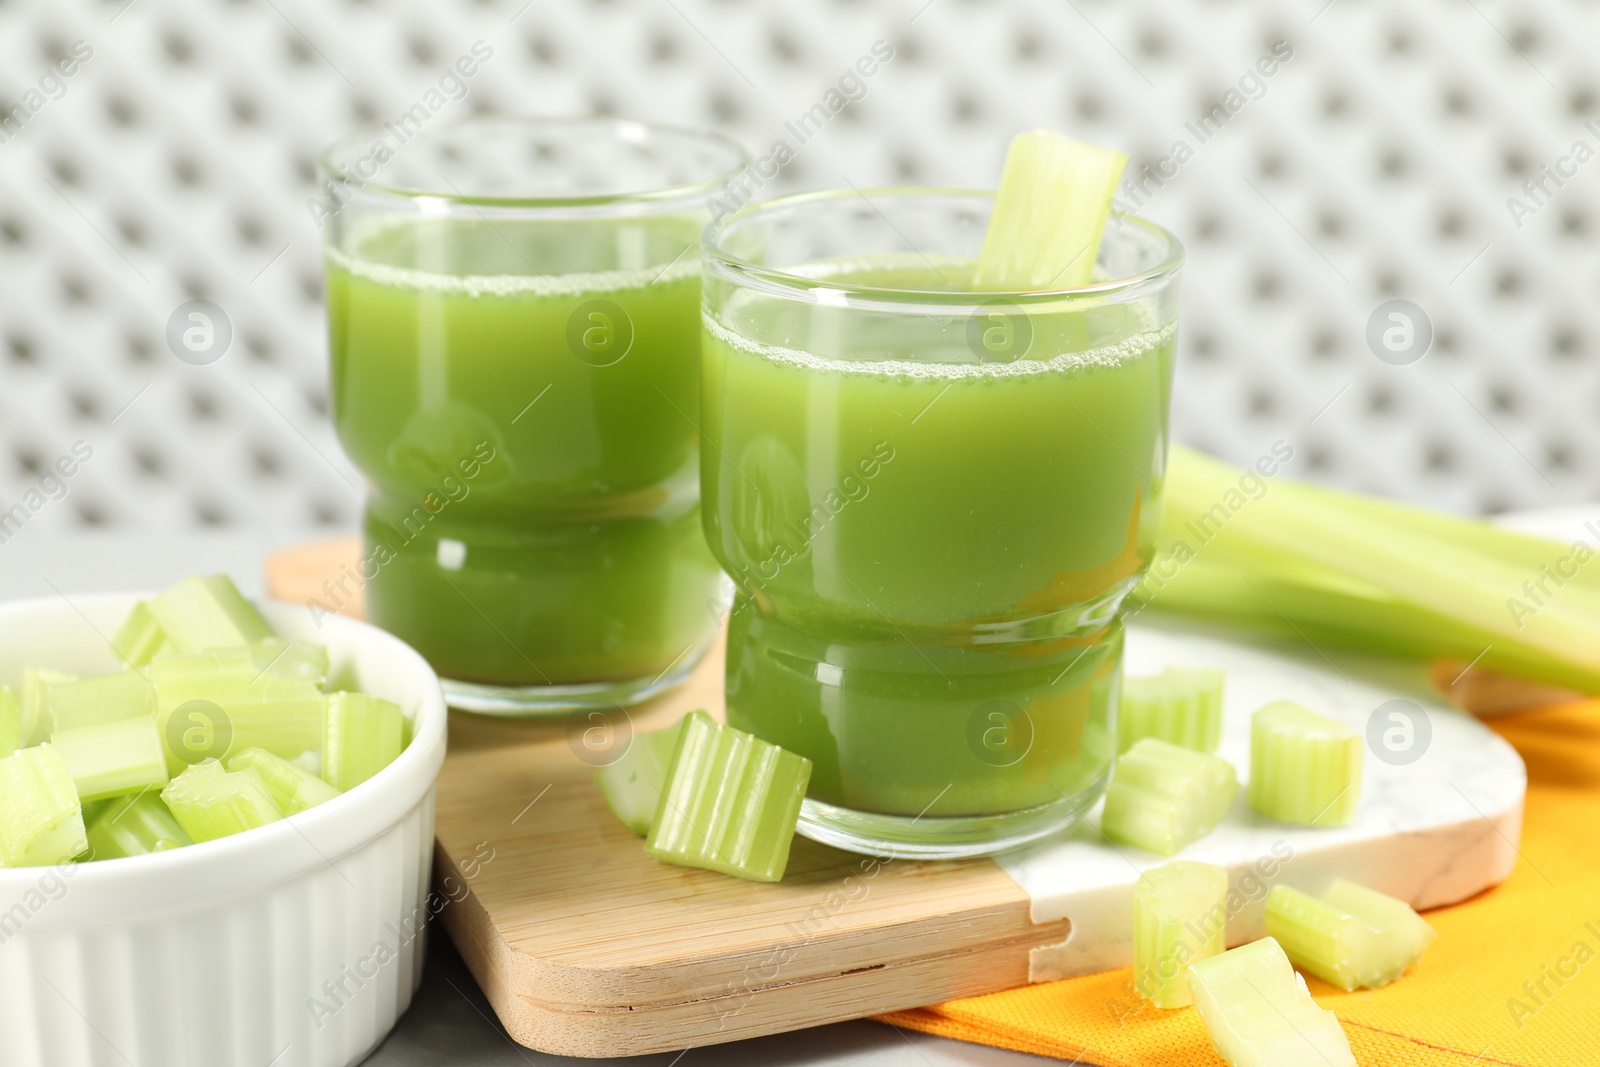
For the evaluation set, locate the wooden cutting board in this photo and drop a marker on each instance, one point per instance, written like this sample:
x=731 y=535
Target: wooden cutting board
x=586 y=947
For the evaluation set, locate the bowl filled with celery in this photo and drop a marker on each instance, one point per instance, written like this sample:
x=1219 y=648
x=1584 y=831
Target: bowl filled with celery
x=216 y=826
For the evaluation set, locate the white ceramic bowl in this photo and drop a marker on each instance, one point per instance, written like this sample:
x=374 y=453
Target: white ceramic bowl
x=294 y=945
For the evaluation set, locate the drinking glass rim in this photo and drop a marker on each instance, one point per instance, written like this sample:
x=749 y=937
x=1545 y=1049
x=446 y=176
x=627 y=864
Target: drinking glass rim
x=804 y=284
x=376 y=131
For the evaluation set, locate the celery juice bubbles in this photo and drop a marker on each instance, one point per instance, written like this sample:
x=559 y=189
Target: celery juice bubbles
x=932 y=501
x=513 y=314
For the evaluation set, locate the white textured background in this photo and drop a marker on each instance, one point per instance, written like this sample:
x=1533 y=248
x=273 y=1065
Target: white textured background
x=178 y=162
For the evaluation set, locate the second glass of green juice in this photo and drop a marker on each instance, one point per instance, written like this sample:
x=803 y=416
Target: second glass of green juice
x=932 y=502
x=513 y=322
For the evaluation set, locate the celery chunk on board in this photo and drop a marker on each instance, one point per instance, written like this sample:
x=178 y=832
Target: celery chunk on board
x=1181 y=705
x=135 y=825
x=1162 y=797
x=632 y=786
x=41 y=819
x=210 y=802
x=1049 y=214
x=731 y=803
x=10 y=720
x=207 y=612
x=113 y=758
x=363 y=736
x=1305 y=768
x=1259 y=1014
x=1180 y=916
x=293 y=788
x=1352 y=937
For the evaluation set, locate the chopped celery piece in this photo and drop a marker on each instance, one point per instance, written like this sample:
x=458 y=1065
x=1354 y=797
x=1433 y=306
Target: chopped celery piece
x=10 y=721
x=135 y=825
x=731 y=803
x=93 y=701
x=1353 y=937
x=209 y=802
x=1305 y=768
x=1049 y=215
x=207 y=720
x=1180 y=916
x=293 y=788
x=1259 y=1014
x=633 y=784
x=36 y=682
x=41 y=819
x=1162 y=797
x=113 y=758
x=1181 y=705
x=140 y=639
x=362 y=737
x=273 y=657
x=207 y=612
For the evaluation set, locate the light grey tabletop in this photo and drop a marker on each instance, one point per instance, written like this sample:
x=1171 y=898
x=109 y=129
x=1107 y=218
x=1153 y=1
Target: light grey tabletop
x=449 y=1021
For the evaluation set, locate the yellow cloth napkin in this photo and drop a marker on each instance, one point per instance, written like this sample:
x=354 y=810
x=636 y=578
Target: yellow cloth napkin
x=1513 y=979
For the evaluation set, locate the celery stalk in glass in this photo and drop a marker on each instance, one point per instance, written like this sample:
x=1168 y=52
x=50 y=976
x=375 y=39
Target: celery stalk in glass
x=1049 y=215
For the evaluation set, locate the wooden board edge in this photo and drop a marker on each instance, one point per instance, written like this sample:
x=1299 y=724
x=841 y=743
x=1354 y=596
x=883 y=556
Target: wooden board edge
x=508 y=979
x=772 y=1009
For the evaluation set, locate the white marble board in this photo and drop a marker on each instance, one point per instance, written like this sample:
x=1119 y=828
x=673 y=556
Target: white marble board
x=1432 y=831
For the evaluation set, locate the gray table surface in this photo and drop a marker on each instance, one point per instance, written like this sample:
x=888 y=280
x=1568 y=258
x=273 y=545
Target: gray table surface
x=450 y=1022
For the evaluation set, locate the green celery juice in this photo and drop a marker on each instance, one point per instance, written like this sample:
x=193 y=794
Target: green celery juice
x=528 y=435
x=930 y=538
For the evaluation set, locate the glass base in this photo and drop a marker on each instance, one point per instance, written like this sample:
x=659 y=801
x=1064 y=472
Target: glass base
x=942 y=837
x=534 y=701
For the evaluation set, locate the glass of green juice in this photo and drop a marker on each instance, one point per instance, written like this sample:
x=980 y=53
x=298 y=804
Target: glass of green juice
x=514 y=332
x=932 y=502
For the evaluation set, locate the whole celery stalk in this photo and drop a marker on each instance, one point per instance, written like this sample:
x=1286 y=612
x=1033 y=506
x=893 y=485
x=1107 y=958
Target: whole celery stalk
x=1358 y=572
